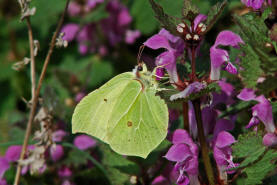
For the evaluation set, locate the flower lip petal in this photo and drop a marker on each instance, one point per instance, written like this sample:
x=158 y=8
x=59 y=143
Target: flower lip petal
x=224 y=139
x=157 y=41
x=180 y=136
x=192 y=88
x=228 y=38
x=247 y=94
x=178 y=153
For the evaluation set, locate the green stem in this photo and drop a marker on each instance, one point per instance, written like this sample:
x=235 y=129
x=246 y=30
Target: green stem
x=203 y=143
x=186 y=116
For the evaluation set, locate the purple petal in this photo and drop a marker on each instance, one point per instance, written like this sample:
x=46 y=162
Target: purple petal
x=124 y=18
x=83 y=48
x=92 y=3
x=173 y=114
x=58 y=135
x=192 y=121
x=160 y=180
x=231 y=68
x=157 y=42
x=180 y=136
x=79 y=96
x=191 y=166
x=220 y=156
x=192 y=88
x=255 y=4
x=64 y=172
x=74 y=9
x=168 y=61
x=270 y=139
x=218 y=57
x=247 y=94
x=228 y=38
x=56 y=152
x=200 y=18
x=226 y=87
x=13 y=153
x=84 y=142
x=223 y=125
x=70 y=31
x=131 y=36
x=159 y=73
x=254 y=121
x=169 y=36
x=4 y=166
x=3 y=182
x=264 y=113
x=224 y=139
x=178 y=153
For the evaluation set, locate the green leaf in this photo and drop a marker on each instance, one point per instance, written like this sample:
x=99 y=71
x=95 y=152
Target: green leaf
x=214 y=14
x=166 y=21
x=250 y=63
x=143 y=17
x=125 y=113
x=114 y=160
x=267 y=86
x=257 y=172
x=247 y=145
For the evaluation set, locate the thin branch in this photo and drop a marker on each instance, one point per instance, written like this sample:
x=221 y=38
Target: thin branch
x=32 y=54
x=35 y=99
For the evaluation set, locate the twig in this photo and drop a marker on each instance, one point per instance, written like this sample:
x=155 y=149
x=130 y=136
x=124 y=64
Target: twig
x=186 y=115
x=35 y=99
x=32 y=54
x=203 y=143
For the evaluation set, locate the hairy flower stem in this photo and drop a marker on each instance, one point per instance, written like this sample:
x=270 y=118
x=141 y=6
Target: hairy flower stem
x=36 y=96
x=186 y=115
x=193 y=68
x=203 y=143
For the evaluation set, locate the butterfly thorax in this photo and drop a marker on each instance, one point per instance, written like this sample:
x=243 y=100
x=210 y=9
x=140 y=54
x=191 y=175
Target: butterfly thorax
x=146 y=78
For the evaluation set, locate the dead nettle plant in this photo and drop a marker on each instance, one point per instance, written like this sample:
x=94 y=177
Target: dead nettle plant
x=35 y=160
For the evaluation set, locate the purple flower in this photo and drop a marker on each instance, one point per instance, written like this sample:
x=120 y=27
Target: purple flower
x=255 y=4
x=185 y=152
x=56 y=152
x=84 y=142
x=174 y=48
x=191 y=88
x=131 y=36
x=13 y=153
x=79 y=96
x=4 y=166
x=222 y=125
x=222 y=152
x=64 y=172
x=261 y=111
x=160 y=180
x=92 y=3
x=58 y=135
x=70 y=31
x=225 y=96
x=270 y=139
x=74 y=9
x=220 y=56
x=3 y=182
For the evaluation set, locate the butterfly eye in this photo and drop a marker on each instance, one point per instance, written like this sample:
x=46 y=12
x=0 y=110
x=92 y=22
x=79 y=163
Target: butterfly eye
x=140 y=68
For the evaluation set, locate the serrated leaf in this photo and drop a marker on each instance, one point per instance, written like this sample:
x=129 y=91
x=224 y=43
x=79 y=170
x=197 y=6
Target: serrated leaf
x=213 y=87
x=214 y=14
x=248 y=144
x=250 y=63
x=166 y=21
x=257 y=172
